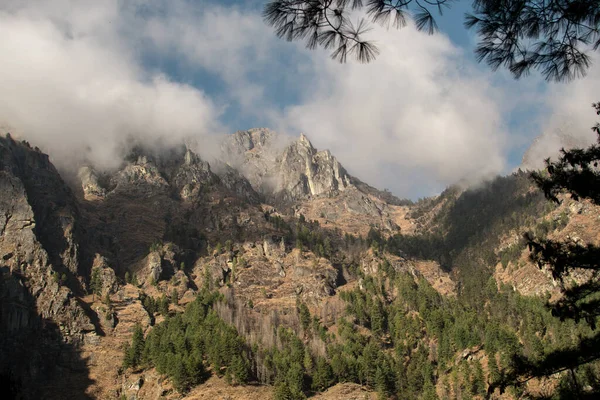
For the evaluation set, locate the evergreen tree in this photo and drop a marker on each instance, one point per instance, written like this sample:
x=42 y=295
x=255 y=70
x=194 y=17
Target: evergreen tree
x=137 y=345
x=163 y=306
x=96 y=282
x=239 y=370
x=323 y=376
x=429 y=392
x=478 y=380
x=552 y=36
x=576 y=173
x=283 y=392
x=127 y=356
x=304 y=314
x=493 y=370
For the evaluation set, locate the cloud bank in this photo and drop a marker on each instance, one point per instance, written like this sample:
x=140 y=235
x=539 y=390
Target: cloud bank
x=78 y=77
x=71 y=85
x=569 y=123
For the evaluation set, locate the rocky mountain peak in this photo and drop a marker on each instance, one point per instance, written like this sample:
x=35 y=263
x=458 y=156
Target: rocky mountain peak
x=291 y=171
x=304 y=171
x=251 y=139
x=304 y=141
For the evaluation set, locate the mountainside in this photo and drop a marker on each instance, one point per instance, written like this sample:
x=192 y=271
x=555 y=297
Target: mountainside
x=41 y=318
x=170 y=277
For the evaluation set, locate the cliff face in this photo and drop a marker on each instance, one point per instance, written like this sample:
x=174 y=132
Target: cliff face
x=40 y=319
x=303 y=171
x=292 y=172
x=295 y=175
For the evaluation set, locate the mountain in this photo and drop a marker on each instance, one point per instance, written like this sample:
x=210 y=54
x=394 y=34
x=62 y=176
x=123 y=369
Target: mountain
x=42 y=319
x=172 y=277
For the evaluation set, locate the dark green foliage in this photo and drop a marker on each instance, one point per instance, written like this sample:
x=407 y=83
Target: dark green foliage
x=493 y=370
x=163 y=305
x=96 y=282
x=552 y=36
x=182 y=346
x=239 y=370
x=576 y=172
x=323 y=375
x=304 y=314
x=508 y=324
x=477 y=380
x=304 y=235
x=133 y=353
x=149 y=303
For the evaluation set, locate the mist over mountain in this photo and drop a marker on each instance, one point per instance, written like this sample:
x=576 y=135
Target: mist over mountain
x=95 y=74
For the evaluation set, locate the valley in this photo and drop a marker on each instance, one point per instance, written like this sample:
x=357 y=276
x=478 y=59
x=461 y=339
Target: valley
x=271 y=272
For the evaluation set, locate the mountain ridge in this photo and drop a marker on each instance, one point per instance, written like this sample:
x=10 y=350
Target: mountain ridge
x=169 y=225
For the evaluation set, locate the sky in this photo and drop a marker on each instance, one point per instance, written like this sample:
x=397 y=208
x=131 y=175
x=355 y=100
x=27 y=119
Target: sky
x=79 y=77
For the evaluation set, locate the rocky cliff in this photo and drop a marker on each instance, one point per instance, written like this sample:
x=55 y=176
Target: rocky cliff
x=40 y=318
x=293 y=172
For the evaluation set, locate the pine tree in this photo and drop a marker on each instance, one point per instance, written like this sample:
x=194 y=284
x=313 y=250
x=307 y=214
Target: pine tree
x=127 y=356
x=308 y=361
x=282 y=392
x=576 y=173
x=429 y=392
x=239 y=370
x=494 y=371
x=304 y=316
x=477 y=380
x=323 y=376
x=163 y=305
x=96 y=282
x=137 y=345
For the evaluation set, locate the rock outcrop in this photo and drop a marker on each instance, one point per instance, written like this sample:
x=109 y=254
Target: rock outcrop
x=291 y=172
x=304 y=171
x=40 y=318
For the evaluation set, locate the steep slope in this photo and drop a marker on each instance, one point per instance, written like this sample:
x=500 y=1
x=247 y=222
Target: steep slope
x=293 y=172
x=40 y=318
x=294 y=175
x=319 y=274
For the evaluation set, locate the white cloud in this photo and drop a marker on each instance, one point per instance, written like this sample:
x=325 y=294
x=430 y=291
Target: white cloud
x=74 y=87
x=568 y=120
x=417 y=110
x=75 y=75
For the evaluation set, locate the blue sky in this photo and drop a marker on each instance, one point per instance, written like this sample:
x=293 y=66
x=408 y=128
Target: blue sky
x=83 y=75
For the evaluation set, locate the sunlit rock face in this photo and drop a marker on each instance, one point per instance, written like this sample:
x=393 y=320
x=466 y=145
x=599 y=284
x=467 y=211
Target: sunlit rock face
x=293 y=170
x=306 y=171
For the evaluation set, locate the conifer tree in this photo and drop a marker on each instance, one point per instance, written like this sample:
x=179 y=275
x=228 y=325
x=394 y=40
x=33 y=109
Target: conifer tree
x=96 y=282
